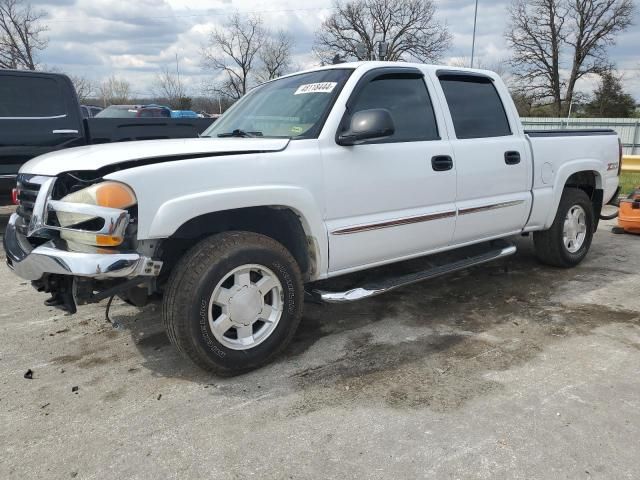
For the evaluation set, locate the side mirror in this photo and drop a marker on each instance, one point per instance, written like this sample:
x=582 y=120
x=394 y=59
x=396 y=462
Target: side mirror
x=367 y=125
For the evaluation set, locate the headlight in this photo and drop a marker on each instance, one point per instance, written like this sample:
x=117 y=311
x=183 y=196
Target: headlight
x=105 y=194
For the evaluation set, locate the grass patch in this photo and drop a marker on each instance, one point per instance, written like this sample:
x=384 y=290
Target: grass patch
x=628 y=182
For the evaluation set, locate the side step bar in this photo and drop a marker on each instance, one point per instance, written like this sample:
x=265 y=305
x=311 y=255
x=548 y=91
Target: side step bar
x=385 y=285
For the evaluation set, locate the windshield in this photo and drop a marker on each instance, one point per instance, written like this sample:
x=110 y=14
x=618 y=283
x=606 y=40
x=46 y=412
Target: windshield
x=290 y=107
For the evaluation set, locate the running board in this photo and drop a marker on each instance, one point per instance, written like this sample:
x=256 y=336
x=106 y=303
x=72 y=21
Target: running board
x=385 y=285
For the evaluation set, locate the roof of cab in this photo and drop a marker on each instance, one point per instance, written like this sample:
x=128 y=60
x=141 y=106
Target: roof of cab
x=368 y=65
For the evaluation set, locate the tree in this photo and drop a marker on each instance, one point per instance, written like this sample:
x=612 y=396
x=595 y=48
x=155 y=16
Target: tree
x=523 y=103
x=85 y=88
x=114 y=91
x=275 y=56
x=609 y=99
x=170 y=88
x=232 y=51
x=557 y=42
x=499 y=67
x=21 y=35
x=408 y=27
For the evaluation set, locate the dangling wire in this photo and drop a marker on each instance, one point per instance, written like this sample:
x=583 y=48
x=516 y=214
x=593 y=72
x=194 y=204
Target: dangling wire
x=106 y=313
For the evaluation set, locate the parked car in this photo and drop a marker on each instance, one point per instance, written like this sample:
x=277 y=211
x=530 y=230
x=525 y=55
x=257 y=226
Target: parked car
x=308 y=177
x=184 y=114
x=90 y=111
x=39 y=113
x=135 y=111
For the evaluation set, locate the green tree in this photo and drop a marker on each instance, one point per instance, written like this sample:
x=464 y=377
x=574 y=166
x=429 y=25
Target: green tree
x=609 y=99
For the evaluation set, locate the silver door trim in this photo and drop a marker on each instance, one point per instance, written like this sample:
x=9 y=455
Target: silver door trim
x=394 y=223
x=493 y=206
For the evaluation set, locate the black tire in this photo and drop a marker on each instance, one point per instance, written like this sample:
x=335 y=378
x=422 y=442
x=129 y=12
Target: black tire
x=549 y=244
x=191 y=284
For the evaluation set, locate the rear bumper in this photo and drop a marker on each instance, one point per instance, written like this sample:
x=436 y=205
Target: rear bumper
x=58 y=257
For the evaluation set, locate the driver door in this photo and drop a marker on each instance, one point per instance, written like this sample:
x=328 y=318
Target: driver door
x=390 y=198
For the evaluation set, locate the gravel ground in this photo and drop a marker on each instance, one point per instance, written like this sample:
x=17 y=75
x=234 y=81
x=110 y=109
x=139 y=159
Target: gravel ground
x=509 y=370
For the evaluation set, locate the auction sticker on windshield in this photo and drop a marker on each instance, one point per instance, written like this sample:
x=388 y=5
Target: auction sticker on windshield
x=324 y=87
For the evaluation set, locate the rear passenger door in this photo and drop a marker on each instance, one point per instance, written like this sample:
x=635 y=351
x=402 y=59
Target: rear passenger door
x=38 y=114
x=492 y=159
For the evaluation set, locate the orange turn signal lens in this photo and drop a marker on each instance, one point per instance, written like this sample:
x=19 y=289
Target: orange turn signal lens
x=114 y=195
x=108 y=241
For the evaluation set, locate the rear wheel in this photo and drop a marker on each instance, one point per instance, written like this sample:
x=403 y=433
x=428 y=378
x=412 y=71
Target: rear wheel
x=234 y=302
x=567 y=242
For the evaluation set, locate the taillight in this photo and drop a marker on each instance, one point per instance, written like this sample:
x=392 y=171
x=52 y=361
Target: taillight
x=14 y=196
x=619 y=156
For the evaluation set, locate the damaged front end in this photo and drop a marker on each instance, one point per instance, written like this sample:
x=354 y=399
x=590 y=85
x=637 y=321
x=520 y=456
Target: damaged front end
x=75 y=239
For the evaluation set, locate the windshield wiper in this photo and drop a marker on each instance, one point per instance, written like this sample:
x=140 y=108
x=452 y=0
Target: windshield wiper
x=240 y=133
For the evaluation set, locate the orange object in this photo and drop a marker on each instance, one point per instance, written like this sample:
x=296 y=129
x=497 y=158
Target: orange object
x=629 y=213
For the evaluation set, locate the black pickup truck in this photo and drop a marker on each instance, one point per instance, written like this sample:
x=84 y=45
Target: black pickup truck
x=40 y=112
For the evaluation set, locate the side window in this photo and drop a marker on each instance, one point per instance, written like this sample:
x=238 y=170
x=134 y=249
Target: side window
x=26 y=96
x=407 y=99
x=476 y=108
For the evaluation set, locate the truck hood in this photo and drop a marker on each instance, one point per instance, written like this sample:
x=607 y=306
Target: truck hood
x=95 y=157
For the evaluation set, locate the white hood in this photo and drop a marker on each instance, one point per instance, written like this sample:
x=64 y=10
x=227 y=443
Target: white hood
x=94 y=157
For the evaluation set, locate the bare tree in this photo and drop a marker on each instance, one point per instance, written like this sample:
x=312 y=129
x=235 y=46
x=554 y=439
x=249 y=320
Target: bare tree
x=408 y=27
x=557 y=42
x=497 y=66
x=232 y=51
x=21 y=34
x=275 y=56
x=114 y=91
x=85 y=88
x=169 y=86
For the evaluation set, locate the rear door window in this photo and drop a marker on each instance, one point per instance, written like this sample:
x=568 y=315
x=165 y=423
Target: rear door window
x=30 y=97
x=476 y=108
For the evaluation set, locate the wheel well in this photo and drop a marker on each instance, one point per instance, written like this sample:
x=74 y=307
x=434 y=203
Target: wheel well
x=280 y=223
x=587 y=181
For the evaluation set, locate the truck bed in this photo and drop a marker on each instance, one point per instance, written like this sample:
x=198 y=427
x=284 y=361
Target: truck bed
x=108 y=130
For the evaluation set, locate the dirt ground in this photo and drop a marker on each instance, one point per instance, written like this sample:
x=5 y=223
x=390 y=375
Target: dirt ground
x=510 y=370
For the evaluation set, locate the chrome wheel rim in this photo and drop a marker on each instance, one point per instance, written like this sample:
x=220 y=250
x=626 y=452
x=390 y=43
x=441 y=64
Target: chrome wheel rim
x=245 y=307
x=575 y=229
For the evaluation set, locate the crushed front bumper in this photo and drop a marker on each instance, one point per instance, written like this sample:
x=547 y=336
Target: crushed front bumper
x=58 y=257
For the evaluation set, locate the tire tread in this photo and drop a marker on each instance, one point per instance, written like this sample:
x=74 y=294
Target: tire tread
x=548 y=243
x=184 y=280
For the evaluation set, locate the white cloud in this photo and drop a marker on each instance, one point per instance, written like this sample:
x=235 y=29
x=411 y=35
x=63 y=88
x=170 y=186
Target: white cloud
x=136 y=38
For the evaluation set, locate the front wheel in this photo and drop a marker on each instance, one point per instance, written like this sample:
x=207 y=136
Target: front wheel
x=234 y=302
x=567 y=242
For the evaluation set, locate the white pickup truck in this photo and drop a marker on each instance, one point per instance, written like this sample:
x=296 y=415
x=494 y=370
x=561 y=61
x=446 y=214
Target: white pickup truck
x=310 y=176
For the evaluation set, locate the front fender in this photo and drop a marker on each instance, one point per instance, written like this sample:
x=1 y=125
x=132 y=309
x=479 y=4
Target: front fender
x=175 y=212
x=172 y=214
x=564 y=172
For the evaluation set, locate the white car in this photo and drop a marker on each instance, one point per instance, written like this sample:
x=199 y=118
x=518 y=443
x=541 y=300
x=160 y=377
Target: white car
x=310 y=176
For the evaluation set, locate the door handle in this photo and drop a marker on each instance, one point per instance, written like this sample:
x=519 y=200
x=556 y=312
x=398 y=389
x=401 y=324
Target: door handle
x=512 y=158
x=441 y=163
x=64 y=132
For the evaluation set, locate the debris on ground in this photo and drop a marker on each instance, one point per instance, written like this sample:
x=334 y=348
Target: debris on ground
x=28 y=374
x=75 y=389
x=159 y=396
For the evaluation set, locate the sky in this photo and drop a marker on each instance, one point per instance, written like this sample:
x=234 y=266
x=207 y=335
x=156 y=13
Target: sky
x=135 y=39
